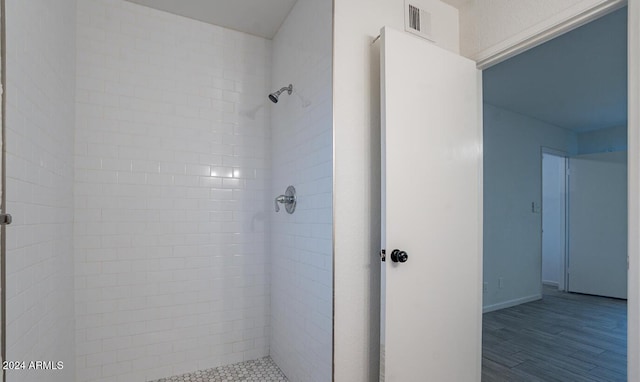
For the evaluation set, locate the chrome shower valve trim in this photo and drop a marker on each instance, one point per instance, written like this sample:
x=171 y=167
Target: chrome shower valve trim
x=288 y=199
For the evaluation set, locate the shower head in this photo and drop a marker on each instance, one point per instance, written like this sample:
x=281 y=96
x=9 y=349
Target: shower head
x=275 y=95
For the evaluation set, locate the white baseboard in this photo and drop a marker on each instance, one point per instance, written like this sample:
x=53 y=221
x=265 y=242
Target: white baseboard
x=510 y=303
x=550 y=283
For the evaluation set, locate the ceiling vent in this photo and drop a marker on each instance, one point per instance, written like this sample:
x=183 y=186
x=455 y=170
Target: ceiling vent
x=417 y=20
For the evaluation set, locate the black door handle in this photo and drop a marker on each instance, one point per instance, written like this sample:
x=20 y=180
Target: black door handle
x=398 y=256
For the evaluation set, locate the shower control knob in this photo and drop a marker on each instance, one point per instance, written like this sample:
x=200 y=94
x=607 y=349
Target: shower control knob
x=398 y=256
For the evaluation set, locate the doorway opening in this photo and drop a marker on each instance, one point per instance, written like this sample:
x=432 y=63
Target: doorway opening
x=554 y=218
x=569 y=94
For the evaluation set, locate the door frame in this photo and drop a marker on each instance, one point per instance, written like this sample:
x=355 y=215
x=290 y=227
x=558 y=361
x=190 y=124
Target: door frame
x=3 y=196
x=562 y=282
x=553 y=28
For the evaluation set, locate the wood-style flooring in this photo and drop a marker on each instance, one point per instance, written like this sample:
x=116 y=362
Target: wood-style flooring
x=564 y=337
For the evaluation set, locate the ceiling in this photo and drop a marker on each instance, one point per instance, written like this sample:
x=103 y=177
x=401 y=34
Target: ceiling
x=257 y=17
x=576 y=81
x=458 y=3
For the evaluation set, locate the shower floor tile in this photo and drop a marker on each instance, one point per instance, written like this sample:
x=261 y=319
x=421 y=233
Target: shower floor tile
x=259 y=370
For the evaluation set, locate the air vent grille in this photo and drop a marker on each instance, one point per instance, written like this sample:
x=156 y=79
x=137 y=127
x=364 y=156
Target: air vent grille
x=414 y=17
x=418 y=21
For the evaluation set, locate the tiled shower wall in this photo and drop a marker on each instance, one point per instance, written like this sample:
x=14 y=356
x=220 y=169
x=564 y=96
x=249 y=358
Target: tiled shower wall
x=171 y=177
x=40 y=61
x=301 y=290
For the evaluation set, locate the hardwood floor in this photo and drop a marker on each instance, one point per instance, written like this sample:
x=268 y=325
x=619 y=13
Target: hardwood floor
x=564 y=337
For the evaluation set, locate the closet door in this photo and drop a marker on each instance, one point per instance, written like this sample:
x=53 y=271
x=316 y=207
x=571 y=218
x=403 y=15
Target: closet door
x=598 y=224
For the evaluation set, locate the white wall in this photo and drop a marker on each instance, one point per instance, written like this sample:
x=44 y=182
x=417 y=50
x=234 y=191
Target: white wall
x=487 y=25
x=172 y=170
x=512 y=181
x=554 y=194
x=357 y=182
x=40 y=70
x=302 y=155
x=604 y=140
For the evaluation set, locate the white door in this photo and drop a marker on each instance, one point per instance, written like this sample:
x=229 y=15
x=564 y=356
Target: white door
x=432 y=210
x=598 y=224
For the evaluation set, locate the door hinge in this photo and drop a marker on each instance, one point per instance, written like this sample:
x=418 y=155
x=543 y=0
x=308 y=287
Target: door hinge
x=5 y=219
x=383 y=255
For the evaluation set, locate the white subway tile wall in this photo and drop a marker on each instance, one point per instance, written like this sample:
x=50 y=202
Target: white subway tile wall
x=40 y=61
x=301 y=288
x=172 y=173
